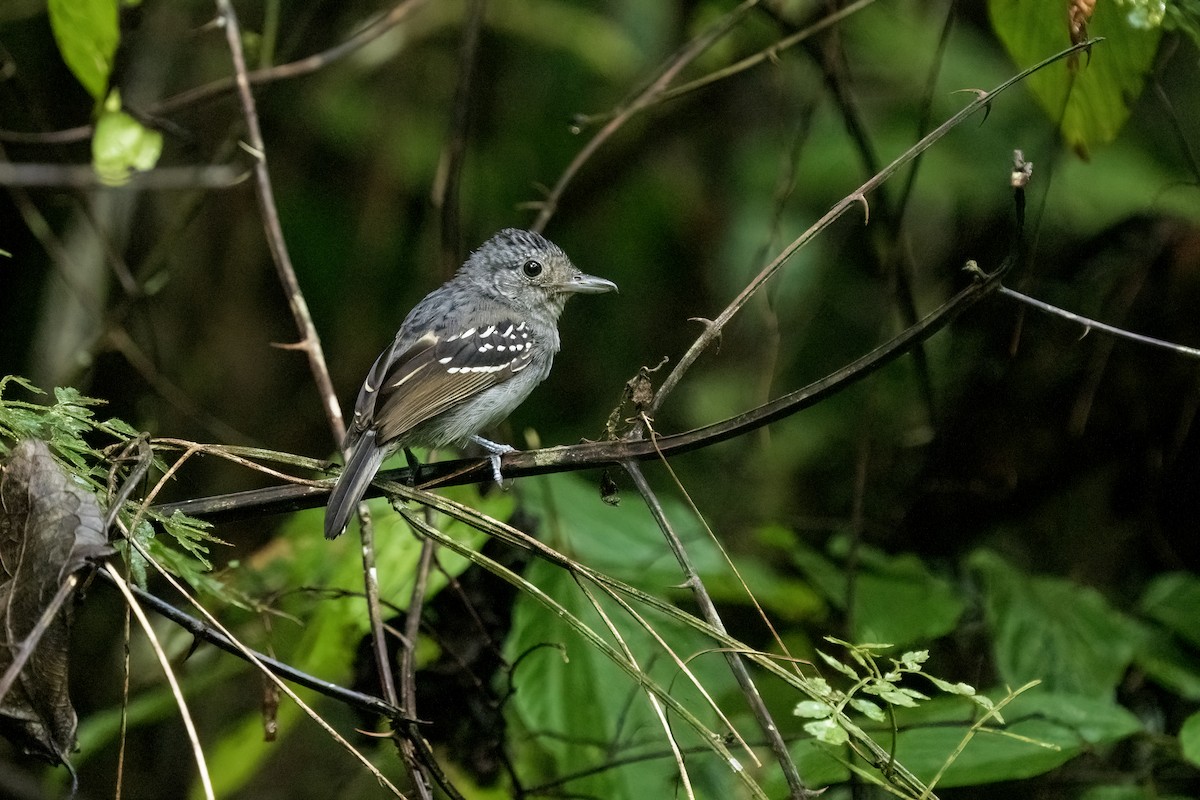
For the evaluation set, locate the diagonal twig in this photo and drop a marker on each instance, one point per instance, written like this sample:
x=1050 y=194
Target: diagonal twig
x=713 y=330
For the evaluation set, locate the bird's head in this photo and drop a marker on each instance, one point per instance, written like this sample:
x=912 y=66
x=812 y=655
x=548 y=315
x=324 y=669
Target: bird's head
x=527 y=271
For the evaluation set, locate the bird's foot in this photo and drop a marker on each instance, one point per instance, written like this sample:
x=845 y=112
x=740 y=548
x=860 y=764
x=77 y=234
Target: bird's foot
x=495 y=450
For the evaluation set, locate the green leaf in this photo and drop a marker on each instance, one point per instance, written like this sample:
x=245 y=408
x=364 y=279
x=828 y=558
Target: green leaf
x=845 y=669
x=1172 y=600
x=573 y=708
x=625 y=542
x=1089 y=95
x=820 y=764
x=1045 y=730
x=827 y=731
x=1171 y=665
x=121 y=145
x=87 y=34
x=1189 y=738
x=1052 y=630
x=868 y=709
x=812 y=709
x=896 y=598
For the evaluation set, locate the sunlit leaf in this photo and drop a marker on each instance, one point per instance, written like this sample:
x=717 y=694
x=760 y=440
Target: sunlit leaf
x=1089 y=97
x=87 y=34
x=121 y=145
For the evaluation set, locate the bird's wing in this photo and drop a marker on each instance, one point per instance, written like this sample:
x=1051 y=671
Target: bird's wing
x=436 y=373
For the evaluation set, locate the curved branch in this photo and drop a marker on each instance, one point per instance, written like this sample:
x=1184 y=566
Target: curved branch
x=282 y=499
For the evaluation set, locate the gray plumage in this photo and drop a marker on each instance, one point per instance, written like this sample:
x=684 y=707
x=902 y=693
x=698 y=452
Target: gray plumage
x=465 y=357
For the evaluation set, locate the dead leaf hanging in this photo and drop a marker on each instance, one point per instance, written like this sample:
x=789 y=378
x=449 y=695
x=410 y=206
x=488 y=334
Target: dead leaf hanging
x=50 y=527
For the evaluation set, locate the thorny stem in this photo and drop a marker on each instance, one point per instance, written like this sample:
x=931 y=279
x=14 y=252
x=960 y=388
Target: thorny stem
x=713 y=330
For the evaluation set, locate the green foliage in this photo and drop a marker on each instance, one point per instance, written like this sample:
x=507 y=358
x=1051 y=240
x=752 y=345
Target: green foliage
x=578 y=711
x=87 y=33
x=1053 y=630
x=1044 y=730
x=1089 y=97
x=69 y=427
x=896 y=598
x=867 y=677
x=121 y=145
x=1189 y=739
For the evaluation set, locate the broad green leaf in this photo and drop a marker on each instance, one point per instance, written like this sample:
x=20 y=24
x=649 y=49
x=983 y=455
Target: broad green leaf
x=1049 y=629
x=625 y=542
x=573 y=709
x=1044 y=731
x=1189 y=738
x=1170 y=664
x=87 y=34
x=1173 y=600
x=121 y=145
x=1087 y=97
x=820 y=764
x=896 y=598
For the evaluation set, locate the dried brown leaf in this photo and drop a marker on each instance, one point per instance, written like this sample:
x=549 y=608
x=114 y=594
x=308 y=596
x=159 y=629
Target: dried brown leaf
x=50 y=527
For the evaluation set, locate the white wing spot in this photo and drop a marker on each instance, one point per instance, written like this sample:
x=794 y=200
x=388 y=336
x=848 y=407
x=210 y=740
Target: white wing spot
x=445 y=360
x=488 y=331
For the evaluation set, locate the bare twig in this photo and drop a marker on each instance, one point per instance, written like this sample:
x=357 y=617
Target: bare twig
x=259 y=77
x=309 y=342
x=193 y=737
x=643 y=98
x=1091 y=324
x=204 y=632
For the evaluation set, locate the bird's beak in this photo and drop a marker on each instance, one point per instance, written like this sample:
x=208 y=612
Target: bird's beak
x=580 y=283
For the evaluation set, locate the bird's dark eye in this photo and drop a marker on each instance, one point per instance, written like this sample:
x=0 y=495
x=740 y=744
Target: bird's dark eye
x=532 y=268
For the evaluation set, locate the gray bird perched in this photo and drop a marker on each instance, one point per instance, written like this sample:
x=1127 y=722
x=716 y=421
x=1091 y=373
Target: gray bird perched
x=465 y=357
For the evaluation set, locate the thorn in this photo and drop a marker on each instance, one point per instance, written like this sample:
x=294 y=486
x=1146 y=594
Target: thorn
x=973 y=269
x=866 y=208
x=253 y=151
x=301 y=345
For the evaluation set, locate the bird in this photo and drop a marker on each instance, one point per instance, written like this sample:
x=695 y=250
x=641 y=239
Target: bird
x=464 y=358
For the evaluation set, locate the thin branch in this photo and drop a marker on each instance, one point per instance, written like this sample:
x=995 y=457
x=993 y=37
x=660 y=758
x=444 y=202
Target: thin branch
x=366 y=703
x=644 y=98
x=83 y=176
x=259 y=77
x=408 y=661
x=1091 y=324
x=176 y=691
x=310 y=342
x=709 y=611
x=248 y=654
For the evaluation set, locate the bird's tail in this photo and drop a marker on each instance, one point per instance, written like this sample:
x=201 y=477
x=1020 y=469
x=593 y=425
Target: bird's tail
x=352 y=484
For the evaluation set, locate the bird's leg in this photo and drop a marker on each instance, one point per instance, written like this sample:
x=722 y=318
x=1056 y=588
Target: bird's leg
x=413 y=466
x=495 y=450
